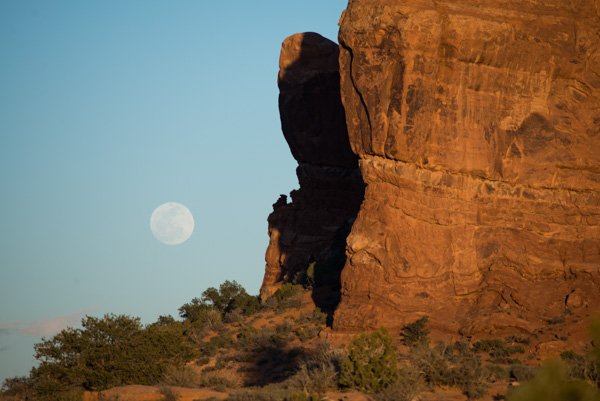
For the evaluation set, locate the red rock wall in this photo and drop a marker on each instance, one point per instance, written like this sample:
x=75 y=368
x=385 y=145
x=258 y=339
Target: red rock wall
x=477 y=125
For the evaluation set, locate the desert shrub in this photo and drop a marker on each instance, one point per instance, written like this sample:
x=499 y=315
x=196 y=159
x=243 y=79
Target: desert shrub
x=499 y=351
x=416 y=333
x=463 y=348
x=407 y=386
x=318 y=369
x=203 y=360
x=245 y=336
x=497 y=373
x=229 y=297
x=180 y=376
x=551 y=383
x=306 y=333
x=244 y=357
x=518 y=340
x=108 y=352
x=582 y=367
x=168 y=394
x=165 y=320
x=284 y=328
x=471 y=377
x=371 y=362
x=561 y=318
x=287 y=296
x=314 y=378
x=195 y=332
x=266 y=394
x=522 y=373
x=435 y=368
x=489 y=345
x=222 y=341
x=72 y=394
x=451 y=365
x=503 y=355
x=318 y=317
x=215 y=305
x=220 y=379
x=254 y=340
x=201 y=316
x=322 y=273
x=17 y=388
x=233 y=317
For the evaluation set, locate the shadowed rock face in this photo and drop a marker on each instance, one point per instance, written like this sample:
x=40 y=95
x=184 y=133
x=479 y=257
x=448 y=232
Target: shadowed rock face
x=316 y=223
x=477 y=125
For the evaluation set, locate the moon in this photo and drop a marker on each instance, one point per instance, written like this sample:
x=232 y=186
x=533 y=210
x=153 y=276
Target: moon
x=172 y=223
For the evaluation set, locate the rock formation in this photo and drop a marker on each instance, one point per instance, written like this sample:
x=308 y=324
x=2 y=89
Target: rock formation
x=314 y=226
x=477 y=128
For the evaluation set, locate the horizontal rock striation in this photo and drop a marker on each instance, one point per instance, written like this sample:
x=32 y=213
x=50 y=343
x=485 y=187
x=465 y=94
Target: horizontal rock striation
x=477 y=126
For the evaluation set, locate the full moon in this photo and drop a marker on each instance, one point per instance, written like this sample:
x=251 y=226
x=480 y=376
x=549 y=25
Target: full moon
x=172 y=223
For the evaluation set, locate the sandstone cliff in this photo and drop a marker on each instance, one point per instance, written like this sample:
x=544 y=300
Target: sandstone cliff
x=477 y=128
x=314 y=226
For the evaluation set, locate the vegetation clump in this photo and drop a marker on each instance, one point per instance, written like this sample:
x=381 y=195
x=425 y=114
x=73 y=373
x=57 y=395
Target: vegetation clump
x=215 y=304
x=287 y=296
x=552 y=383
x=225 y=339
x=499 y=350
x=108 y=352
x=416 y=333
x=371 y=362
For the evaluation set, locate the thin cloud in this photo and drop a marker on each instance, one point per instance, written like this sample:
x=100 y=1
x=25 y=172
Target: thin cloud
x=5 y=348
x=52 y=326
x=9 y=327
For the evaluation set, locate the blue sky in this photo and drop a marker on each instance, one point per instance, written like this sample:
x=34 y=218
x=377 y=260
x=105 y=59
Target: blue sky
x=109 y=109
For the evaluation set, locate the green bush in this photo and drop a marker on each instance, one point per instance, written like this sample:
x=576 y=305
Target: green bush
x=416 y=333
x=471 y=377
x=500 y=351
x=230 y=298
x=489 y=345
x=452 y=365
x=582 y=367
x=287 y=296
x=108 y=352
x=18 y=387
x=371 y=362
x=551 y=383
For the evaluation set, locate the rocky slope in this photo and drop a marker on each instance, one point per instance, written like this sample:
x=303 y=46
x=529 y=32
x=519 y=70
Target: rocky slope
x=477 y=129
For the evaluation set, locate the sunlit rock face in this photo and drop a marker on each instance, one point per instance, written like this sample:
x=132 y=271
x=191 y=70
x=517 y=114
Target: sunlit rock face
x=315 y=224
x=477 y=127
